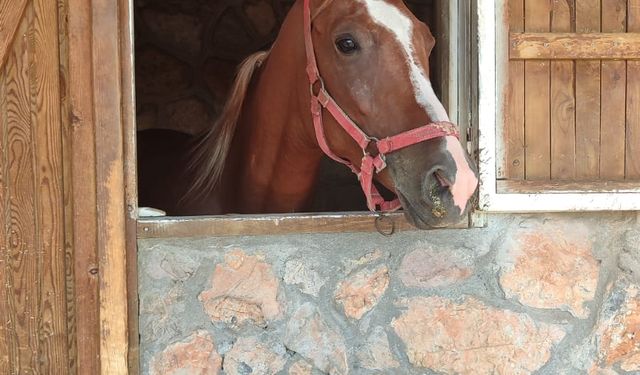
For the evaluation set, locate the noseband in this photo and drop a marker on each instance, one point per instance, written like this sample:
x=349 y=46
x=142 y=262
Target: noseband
x=320 y=99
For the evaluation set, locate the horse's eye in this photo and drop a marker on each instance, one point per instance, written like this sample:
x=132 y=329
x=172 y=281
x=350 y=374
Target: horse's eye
x=347 y=45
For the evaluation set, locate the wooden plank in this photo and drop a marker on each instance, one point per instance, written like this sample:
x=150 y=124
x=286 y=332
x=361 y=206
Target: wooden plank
x=588 y=97
x=82 y=125
x=537 y=98
x=613 y=96
x=11 y=12
x=131 y=186
x=633 y=100
x=110 y=188
x=513 y=135
x=63 y=43
x=575 y=46
x=5 y=364
x=46 y=121
x=261 y=225
x=567 y=187
x=22 y=254
x=563 y=103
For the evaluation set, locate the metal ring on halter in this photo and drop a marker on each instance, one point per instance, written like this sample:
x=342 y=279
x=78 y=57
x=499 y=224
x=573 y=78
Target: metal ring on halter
x=312 y=85
x=370 y=140
x=381 y=218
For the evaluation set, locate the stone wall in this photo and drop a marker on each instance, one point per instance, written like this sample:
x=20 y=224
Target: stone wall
x=553 y=294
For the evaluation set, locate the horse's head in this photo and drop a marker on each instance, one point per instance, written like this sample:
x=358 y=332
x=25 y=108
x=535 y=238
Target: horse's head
x=374 y=58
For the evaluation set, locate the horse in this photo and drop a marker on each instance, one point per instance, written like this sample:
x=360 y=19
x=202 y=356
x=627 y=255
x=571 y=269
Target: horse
x=346 y=79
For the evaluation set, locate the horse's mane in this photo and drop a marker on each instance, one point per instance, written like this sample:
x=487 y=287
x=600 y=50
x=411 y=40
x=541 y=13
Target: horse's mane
x=210 y=153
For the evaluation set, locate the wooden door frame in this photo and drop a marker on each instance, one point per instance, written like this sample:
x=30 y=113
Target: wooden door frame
x=115 y=144
x=102 y=156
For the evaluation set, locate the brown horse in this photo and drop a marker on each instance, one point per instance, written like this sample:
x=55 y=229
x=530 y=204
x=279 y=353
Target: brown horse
x=263 y=154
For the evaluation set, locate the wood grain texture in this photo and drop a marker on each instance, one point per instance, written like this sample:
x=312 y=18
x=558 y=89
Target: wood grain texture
x=67 y=178
x=5 y=364
x=34 y=291
x=515 y=109
x=633 y=100
x=613 y=96
x=110 y=188
x=537 y=98
x=82 y=128
x=23 y=287
x=563 y=103
x=575 y=46
x=130 y=180
x=588 y=16
x=46 y=117
x=11 y=12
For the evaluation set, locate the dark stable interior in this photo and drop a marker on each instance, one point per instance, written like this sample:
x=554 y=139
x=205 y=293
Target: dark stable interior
x=186 y=53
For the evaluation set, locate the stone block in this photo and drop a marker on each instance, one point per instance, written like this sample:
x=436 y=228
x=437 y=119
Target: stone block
x=469 y=337
x=244 y=289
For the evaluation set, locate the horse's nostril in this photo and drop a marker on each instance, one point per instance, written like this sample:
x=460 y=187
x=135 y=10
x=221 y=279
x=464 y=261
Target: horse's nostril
x=439 y=175
x=436 y=185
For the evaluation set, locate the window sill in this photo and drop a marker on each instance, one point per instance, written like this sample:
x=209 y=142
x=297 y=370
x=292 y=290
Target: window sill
x=260 y=225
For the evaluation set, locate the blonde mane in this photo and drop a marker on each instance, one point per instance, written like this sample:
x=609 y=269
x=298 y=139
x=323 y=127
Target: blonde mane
x=210 y=154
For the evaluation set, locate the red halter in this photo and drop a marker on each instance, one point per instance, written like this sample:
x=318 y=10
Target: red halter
x=370 y=163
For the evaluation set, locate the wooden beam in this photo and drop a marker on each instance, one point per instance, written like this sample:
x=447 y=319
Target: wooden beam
x=574 y=46
x=5 y=341
x=111 y=212
x=260 y=225
x=566 y=186
x=130 y=178
x=83 y=187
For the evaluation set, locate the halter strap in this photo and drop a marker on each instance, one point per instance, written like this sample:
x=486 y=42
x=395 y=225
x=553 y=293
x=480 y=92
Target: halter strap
x=370 y=165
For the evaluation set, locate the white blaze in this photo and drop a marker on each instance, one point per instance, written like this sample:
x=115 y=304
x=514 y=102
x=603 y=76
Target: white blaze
x=392 y=19
x=396 y=22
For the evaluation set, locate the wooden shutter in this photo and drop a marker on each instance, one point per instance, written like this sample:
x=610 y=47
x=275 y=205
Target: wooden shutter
x=33 y=277
x=572 y=106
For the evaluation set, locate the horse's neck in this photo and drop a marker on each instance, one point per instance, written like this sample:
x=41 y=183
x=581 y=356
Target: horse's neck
x=275 y=152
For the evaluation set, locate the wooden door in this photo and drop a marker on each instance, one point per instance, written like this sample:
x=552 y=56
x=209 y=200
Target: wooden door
x=65 y=107
x=35 y=291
